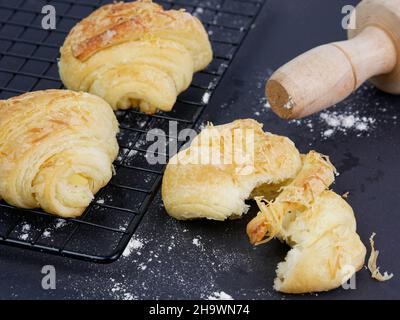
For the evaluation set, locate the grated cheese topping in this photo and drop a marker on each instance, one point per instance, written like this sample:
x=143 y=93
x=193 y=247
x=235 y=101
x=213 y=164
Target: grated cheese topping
x=372 y=263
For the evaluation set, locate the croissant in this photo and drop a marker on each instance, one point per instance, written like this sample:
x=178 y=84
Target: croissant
x=56 y=150
x=318 y=224
x=223 y=166
x=135 y=55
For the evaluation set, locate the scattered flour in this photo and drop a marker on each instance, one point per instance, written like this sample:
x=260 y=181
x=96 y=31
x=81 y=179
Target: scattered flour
x=265 y=106
x=199 y=11
x=343 y=122
x=142 y=266
x=206 y=97
x=25 y=232
x=133 y=245
x=359 y=116
x=26 y=228
x=47 y=234
x=24 y=237
x=197 y=242
x=334 y=121
x=328 y=133
x=60 y=223
x=120 y=291
x=220 y=296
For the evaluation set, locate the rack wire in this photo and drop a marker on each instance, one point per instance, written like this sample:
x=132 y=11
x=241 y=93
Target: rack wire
x=28 y=62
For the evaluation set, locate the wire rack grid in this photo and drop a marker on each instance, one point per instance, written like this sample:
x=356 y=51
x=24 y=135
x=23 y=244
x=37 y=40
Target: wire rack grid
x=28 y=62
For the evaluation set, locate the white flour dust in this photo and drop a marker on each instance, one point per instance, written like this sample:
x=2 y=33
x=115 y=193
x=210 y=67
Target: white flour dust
x=344 y=122
x=133 y=245
x=121 y=292
x=25 y=229
x=196 y=242
x=206 y=97
x=220 y=296
x=360 y=115
x=332 y=122
x=24 y=236
x=47 y=234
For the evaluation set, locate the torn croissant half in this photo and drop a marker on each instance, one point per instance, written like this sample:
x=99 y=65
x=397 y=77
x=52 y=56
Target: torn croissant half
x=56 y=150
x=135 y=54
x=224 y=166
x=318 y=224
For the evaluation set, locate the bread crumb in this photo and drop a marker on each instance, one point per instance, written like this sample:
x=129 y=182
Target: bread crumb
x=345 y=195
x=372 y=263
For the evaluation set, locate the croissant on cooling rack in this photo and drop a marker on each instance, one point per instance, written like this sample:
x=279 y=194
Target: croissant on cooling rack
x=56 y=150
x=135 y=54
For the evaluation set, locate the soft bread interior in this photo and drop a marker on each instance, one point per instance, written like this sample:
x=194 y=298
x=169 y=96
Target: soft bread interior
x=323 y=264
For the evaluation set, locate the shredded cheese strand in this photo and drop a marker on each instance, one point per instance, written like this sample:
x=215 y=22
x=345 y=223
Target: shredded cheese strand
x=372 y=263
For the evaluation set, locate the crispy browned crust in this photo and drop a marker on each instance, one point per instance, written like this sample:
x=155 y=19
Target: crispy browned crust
x=120 y=22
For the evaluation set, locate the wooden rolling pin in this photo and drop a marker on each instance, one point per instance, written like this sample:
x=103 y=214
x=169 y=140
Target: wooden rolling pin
x=328 y=74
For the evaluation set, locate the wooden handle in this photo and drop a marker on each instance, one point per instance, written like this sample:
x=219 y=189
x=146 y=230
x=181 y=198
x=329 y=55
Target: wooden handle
x=328 y=74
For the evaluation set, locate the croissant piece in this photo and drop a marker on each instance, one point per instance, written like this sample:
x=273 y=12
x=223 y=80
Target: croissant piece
x=316 y=175
x=135 y=54
x=326 y=251
x=223 y=165
x=318 y=224
x=322 y=265
x=56 y=150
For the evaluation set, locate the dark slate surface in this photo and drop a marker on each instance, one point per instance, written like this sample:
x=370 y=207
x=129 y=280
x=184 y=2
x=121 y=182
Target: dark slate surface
x=170 y=265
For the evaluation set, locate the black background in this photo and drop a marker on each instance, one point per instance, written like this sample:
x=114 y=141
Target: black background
x=225 y=261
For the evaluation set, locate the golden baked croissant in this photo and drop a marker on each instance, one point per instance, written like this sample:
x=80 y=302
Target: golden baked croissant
x=135 y=55
x=56 y=150
x=318 y=224
x=224 y=164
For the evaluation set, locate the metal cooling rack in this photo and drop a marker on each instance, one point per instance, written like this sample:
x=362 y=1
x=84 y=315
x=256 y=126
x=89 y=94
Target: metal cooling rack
x=28 y=62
